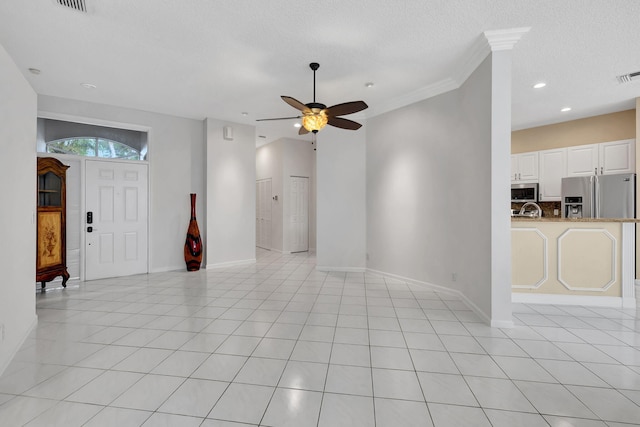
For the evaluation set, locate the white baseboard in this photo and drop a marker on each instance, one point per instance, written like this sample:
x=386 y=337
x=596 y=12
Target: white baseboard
x=231 y=263
x=503 y=324
x=274 y=250
x=586 y=300
x=341 y=269
x=31 y=327
x=166 y=269
x=443 y=289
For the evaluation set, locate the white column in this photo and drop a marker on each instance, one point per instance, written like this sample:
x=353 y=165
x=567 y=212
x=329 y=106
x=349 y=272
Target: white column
x=501 y=43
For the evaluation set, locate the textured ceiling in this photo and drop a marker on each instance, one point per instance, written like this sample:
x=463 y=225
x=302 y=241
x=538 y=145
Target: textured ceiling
x=219 y=58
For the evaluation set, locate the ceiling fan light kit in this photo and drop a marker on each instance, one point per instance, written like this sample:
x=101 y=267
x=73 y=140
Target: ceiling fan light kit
x=315 y=120
x=315 y=115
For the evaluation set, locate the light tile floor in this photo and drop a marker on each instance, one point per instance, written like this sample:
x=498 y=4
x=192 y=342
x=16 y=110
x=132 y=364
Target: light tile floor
x=281 y=344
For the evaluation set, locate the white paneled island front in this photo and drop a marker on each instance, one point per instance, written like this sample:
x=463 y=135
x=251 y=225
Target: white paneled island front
x=573 y=261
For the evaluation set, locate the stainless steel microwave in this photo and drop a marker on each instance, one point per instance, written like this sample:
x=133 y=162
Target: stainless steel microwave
x=524 y=193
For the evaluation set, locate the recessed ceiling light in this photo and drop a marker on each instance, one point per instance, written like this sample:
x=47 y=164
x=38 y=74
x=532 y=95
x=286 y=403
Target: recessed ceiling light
x=539 y=85
x=88 y=85
x=565 y=109
x=34 y=71
x=244 y=113
x=368 y=84
x=297 y=125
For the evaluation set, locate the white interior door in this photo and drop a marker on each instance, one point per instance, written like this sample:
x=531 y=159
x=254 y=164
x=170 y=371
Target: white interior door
x=263 y=213
x=116 y=242
x=299 y=213
x=266 y=214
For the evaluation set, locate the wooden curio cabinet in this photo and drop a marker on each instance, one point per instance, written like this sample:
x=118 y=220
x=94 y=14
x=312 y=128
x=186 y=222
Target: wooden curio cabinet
x=51 y=258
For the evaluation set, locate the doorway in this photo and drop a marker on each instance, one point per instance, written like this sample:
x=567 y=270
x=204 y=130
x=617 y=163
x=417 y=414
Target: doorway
x=299 y=213
x=116 y=219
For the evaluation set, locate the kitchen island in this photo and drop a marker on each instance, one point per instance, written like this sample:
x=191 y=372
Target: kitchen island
x=573 y=261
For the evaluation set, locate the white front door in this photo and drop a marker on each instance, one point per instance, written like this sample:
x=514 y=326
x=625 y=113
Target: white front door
x=116 y=219
x=299 y=213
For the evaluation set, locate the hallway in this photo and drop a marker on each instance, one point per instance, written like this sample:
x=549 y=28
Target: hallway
x=281 y=344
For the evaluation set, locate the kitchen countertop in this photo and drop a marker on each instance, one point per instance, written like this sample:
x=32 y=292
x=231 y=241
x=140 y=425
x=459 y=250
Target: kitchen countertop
x=559 y=219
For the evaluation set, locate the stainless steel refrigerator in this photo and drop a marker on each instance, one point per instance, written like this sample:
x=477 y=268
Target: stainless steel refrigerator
x=599 y=196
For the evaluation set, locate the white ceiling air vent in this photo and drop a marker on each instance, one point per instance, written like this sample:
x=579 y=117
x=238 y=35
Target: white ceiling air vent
x=79 y=5
x=626 y=78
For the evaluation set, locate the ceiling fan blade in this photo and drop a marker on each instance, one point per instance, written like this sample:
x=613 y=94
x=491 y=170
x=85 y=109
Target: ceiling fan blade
x=346 y=108
x=295 y=104
x=339 y=122
x=279 y=118
x=303 y=131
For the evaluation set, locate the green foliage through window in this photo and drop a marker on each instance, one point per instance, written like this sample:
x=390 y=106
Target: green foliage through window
x=93 y=147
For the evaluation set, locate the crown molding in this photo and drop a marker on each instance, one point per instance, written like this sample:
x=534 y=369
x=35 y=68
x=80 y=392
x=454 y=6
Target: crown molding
x=421 y=94
x=478 y=53
x=494 y=40
x=505 y=39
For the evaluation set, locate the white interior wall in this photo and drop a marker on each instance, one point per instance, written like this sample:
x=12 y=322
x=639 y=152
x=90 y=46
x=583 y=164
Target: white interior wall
x=176 y=168
x=341 y=208
x=269 y=165
x=231 y=194
x=18 y=108
x=428 y=175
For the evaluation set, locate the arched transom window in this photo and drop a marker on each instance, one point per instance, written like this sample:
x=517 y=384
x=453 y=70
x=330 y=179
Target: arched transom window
x=94 y=147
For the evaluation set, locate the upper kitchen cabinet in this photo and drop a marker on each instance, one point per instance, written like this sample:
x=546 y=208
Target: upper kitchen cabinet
x=524 y=167
x=582 y=160
x=602 y=159
x=617 y=157
x=553 y=167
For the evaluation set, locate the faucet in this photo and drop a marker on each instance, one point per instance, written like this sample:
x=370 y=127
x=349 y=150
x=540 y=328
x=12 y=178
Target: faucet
x=538 y=209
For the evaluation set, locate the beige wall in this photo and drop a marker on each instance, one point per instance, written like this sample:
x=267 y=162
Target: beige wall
x=592 y=130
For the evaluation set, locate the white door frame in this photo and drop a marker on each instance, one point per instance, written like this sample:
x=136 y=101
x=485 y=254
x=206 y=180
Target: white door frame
x=107 y=123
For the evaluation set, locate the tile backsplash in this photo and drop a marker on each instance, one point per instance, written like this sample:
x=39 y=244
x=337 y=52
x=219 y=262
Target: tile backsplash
x=547 y=208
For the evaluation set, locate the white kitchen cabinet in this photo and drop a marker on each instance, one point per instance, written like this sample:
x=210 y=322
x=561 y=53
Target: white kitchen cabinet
x=602 y=159
x=617 y=157
x=582 y=160
x=524 y=167
x=553 y=167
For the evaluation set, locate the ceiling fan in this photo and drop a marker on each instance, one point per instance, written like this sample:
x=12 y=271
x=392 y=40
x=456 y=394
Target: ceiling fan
x=316 y=115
